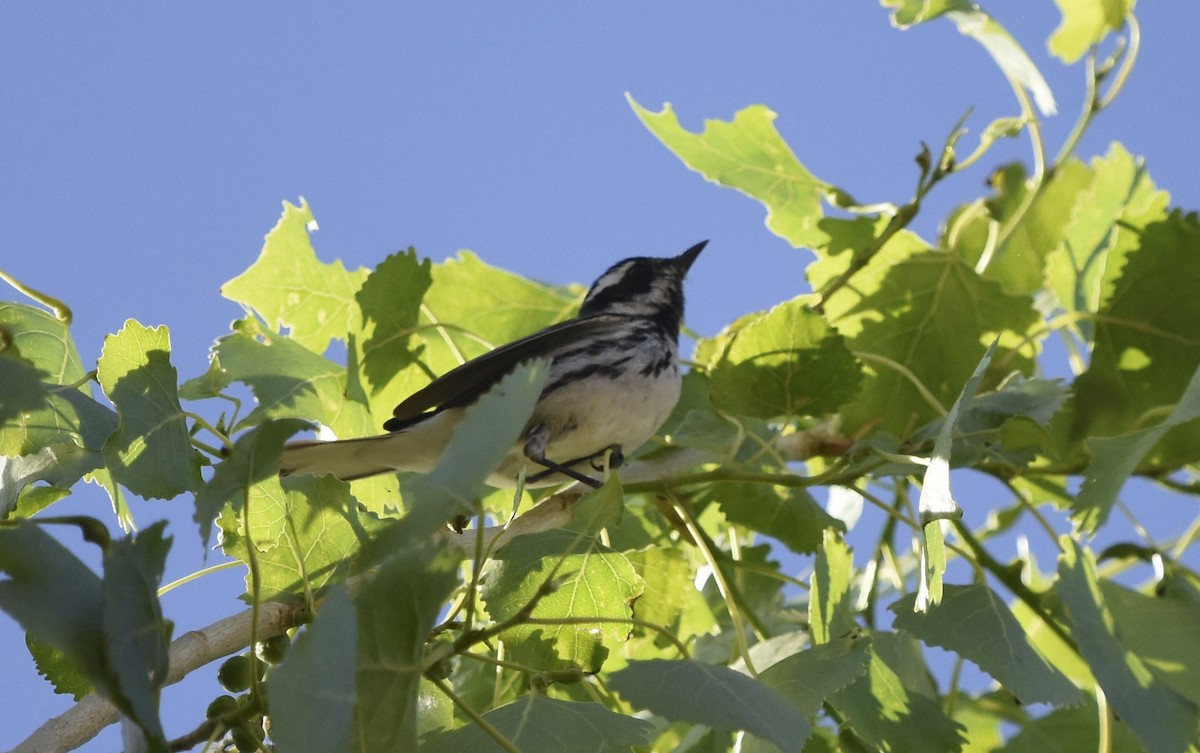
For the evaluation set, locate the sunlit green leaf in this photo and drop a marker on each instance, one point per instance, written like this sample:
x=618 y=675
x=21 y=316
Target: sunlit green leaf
x=749 y=155
x=830 y=613
x=305 y=533
x=1114 y=200
x=593 y=582
x=289 y=287
x=1019 y=264
x=151 y=451
x=1146 y=350
x=787 y=362
x=470 y=308
x=667 y=578
x=254 y=457
x=919 y=320
x=41 y=339
x=1085 y=23
x=389 y=303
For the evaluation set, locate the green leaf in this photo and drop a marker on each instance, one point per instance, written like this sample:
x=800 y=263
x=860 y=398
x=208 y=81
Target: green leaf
x=907 y=303
x=1113 y=201
x=1085 y=23
x=54 y=596
x=58 y=444
x=973 y=622
x=490 y=304
x=288 y=381
x=809 y=677
x=1161 y=632
x=787 y=362
x=62 y=425
x=1146 y=349
x=305 y=533
x=715 y=696
x=59 y=670
x=887 y=711
x=469 y=309
x=599 y=509
x=289 y=287
x=312 y=692
x=1070 y=730
x=41 y=339
x=111 y=629
x=667 y=582
x=23 y=388
x=1164 y=721
x=547 y=725
x=390 y=305
x=396 y=611
x=1114 y=459
x=749 y=155
x=933 y=559
x=936 y=501
x=1020 y=264
x=596 y=583
x=788 y=514
x=480 y=442
x=830 y=612
x=151 y=451
x=254 y=457
x=135 y=637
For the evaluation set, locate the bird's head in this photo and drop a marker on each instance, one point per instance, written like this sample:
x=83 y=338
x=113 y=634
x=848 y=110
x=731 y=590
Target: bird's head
x=646 y=286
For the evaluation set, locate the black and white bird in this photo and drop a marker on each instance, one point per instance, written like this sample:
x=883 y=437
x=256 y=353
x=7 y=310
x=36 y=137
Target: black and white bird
x=614 y=378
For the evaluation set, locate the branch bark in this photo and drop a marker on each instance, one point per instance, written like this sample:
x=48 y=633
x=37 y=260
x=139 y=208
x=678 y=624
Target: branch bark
x=189 y=652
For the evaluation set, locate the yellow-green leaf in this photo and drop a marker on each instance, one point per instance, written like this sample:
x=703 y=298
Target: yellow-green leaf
x=289 y=287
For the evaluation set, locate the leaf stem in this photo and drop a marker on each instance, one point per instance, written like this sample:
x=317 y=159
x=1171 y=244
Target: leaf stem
x=477 y=718
x=203 y=423
x=197 y=575
x=707 y=549
x=62 y=312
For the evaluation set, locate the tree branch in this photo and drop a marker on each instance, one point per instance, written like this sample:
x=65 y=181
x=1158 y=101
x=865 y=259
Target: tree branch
x=189 y=652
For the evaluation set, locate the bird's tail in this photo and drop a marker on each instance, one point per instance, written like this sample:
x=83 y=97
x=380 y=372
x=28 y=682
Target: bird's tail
x=350 y=459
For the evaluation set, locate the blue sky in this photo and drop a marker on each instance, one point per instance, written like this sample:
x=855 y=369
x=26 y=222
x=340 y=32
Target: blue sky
x=145 y=150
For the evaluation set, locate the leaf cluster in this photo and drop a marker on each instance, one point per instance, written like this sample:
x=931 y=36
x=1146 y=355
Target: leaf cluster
x=654 y=613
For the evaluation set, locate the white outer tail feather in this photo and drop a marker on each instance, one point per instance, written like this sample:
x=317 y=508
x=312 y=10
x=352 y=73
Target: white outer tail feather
x=415 y=449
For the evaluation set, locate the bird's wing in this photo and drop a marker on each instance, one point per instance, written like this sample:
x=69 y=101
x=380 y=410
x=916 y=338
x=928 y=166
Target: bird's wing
x=462 y=385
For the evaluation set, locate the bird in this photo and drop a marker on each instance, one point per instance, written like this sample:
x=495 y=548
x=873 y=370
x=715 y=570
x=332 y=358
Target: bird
x=614 y=378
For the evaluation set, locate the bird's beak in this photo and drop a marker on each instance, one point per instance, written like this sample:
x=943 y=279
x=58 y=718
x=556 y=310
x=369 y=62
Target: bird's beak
x=685 y=259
